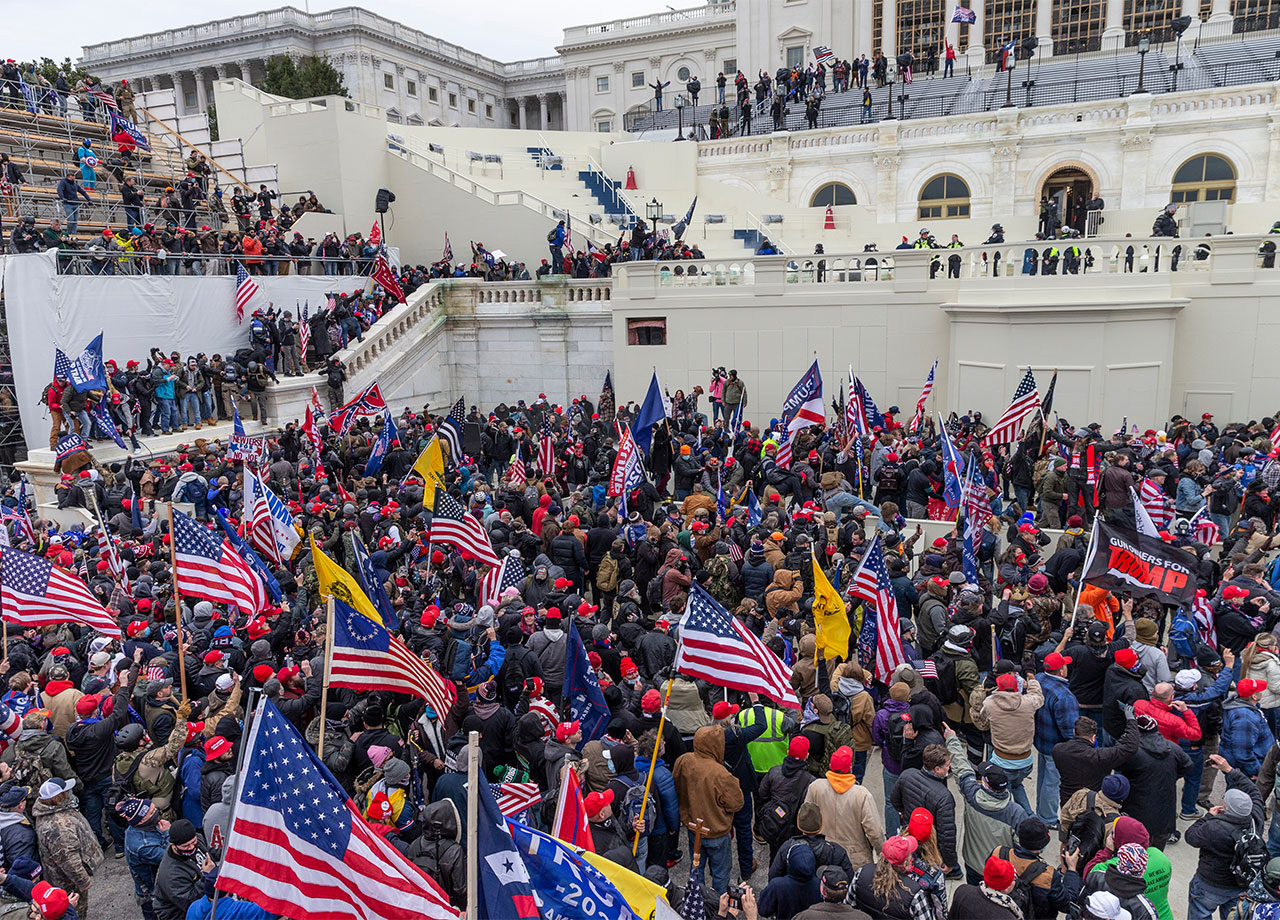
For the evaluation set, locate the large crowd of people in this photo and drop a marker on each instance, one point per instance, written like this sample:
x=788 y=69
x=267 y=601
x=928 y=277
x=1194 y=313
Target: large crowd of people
x=1021 y=675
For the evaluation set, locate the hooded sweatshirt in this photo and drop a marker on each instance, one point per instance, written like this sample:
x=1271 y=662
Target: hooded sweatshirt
x=705 y=789
x=1101 y=873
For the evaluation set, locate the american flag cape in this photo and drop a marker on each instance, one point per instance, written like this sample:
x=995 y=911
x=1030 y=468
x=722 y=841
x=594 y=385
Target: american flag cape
x=715 y=646
x=304 y=330
x=1203 y=613
x=368 y=402
x=451 y=431
x=368 y=657
x=1205 y=530
x=450 y=523
x=298 y=845
x=246 y=287
x=880 y=642
x=209 y=568
x=517 y=474
x=917 y=420
x=802 y=408
x=1153 y=500
x=546 y=447
x=508 y=574
x=35 y=592
x=1026 y=400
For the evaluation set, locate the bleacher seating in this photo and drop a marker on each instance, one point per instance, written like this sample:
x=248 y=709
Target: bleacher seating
x=605 y=191
x=1056 y=80
x=43 y=148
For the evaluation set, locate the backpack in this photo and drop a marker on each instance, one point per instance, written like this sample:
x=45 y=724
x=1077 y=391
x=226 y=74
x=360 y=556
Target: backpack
x=29 y=769
x=631 y=800
x=1248 y=858
x=944 y=687
x=515 y=672
x=1022 y=882
x=896 y=740
x=119 y=789
x=607 y=574
x=653 y=590
x=551 y=235
x=1183 y=635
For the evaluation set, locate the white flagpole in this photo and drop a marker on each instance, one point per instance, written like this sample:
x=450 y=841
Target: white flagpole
x=473 y=831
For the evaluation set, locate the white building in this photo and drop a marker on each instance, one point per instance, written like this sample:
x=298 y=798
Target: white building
x=416 y=78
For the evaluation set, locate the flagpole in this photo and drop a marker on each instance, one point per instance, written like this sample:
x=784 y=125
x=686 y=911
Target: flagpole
x=328 y=661
x=251 y=716
x=653 y=758
x=177 y=604
x=1044 y=424
x=473 y=831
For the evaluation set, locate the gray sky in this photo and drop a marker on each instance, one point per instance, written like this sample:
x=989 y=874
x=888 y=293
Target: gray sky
x=527 y=29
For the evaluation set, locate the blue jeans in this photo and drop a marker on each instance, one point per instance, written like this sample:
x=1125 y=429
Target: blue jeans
x=166 y=414
x=891 y=823
x=1203 y=899
x=716 y=853
x=92 y=804
x=746 y=842
x=1193 y=778
x=1048 y=785
x=1017 y=770
x=71 y=211
x=206 y=403
x=1022 y=496
x=860 y=765
x=191 y=409
x=841 y=502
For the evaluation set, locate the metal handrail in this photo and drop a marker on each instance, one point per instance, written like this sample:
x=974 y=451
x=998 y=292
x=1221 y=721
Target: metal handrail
x=88 y=261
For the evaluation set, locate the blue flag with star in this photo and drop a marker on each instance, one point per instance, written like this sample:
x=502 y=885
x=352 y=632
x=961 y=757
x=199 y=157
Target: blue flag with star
x=566 y=884
x=504 y=878
x=582 y=690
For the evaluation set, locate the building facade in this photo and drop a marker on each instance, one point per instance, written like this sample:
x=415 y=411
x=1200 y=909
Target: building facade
x=417 y=78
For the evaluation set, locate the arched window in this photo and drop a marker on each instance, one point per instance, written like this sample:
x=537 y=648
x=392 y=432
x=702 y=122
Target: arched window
x=1204 y=178
x=683 y=74
x=944 y=196
x=833 y=193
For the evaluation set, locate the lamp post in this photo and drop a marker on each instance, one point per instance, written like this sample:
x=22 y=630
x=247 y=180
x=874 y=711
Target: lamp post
x=1008 y=83
x=680 y=116
x=653 y=210
x=1144 y=45
x=889 y=116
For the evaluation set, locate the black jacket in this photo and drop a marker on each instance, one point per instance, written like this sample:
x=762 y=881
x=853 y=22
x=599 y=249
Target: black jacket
x=1082 y=766
x=179 y=883
x=438 y=852
x=1120 y=686
x=919 y=789
x=1153 y=779
x=970 y=903
x=566 y=551
x=91 y=745
x=1215 y=836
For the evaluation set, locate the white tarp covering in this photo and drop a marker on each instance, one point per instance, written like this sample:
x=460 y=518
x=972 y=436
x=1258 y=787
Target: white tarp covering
x=188 y=314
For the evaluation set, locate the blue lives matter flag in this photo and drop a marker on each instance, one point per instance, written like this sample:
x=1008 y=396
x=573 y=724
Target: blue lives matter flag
x=582 y=689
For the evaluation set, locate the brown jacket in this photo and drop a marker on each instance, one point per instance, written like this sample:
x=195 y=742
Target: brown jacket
x=785 y=591
x=707 y=791
x=1010 y=715
x=862 y=709
x=850 y=818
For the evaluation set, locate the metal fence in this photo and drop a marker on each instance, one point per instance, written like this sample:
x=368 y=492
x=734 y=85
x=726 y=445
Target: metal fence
x=97 y=260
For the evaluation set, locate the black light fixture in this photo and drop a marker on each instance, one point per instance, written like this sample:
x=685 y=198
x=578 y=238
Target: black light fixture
x=1144 y=46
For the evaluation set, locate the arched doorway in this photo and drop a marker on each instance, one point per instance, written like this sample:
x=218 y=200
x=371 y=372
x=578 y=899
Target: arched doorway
x=1070 y=188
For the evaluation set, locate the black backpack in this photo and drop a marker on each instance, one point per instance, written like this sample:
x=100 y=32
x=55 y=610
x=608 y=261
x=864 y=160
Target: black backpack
x=896 y=739
x=1248 y=858
x=1022 y=882
x=944 y=686
x=653 y=590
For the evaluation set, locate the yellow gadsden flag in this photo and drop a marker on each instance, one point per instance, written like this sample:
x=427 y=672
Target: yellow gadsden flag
x=640 y=894
x=430 y=467
x=829 y=615
x=336 y=582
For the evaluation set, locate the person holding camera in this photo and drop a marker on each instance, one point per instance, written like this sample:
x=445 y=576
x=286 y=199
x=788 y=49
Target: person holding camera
x=1006 y=705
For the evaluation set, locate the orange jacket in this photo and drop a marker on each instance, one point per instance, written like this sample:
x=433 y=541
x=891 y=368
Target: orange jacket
x=1104 y=605
x=252 y=248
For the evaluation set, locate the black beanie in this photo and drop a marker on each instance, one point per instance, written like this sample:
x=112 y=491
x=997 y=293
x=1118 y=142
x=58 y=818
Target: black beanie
x=181 y=831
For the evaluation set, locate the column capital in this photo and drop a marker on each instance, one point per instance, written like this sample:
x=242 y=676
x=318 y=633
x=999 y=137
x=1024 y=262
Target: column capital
x=542 y=98
x=222 y=71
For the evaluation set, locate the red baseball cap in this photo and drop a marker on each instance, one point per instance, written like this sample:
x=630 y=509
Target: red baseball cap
x=596 y=801
x=651 y=701
x=566 y=730
x=215 y=747
x=723 y=710
x=1053 y=661
x=53 y=902
x=1248 y=687
x=1126 y=657
x=1007 y=682
x=897 y=849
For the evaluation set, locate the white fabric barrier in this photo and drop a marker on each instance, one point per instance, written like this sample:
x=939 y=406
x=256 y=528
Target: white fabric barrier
x=188 y=314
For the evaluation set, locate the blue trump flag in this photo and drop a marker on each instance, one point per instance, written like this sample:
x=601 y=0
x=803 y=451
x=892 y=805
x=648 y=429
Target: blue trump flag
x=382 y=445
x=102 y=418
x=87 y=372
x=952 y=468
x=565 y=884
x=582 y=690
x=370 y=583
x=505 y=893
x=753 y=509
x=653 y=411
x=249 y=555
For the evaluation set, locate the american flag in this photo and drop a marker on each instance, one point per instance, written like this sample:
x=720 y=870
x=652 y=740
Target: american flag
x=105 y=97
x=1026 y=399
x=514 y=798
x=304 y=330
x=451 y=431
x=310 y=430
x=21 y=523
x=207 y=567
x=880 y=639
x=450 y=523
x=694 y=905
x=1154 y=500
x=822 y=54
x=107 y=549
x=861 y=411
x=509 y=574
x=1275 y=438
x=716 y=647
x=1206 y=625
x=269 y=524
x=917 y=420
x=1206 y=531
x=546 y=447
x=926 y=668
x=447 y=255
x=332 y=303
x=368 y=657
x=35 y=592
x=518 y=475
x=802 y=408
x=385 y=278
x=369 y=402
x=299 y=844
x=317 y=408
x=246 y=287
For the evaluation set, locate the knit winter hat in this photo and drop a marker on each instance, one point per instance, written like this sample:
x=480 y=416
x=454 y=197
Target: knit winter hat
x=1115 y=787
x=1238 y=803
x=1131 y=859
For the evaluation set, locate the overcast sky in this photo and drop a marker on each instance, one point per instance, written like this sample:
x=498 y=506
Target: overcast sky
x=508 y=30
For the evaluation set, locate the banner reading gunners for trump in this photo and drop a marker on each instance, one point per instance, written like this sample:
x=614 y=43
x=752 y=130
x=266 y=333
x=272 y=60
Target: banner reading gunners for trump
x=1125 y=561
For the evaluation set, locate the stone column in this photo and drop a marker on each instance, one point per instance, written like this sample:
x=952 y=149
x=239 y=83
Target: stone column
x=863 y=30
x=564 y=117
x=1191 y=8
x=179 y=104
x=543 y=125
x=202 y=91
x=244 y=71
x=1044 y=26
x=889 y=30
x=222 y=71
x=975 y=52
x=1113 y=34
x=1220 y=11
x=524 y=113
